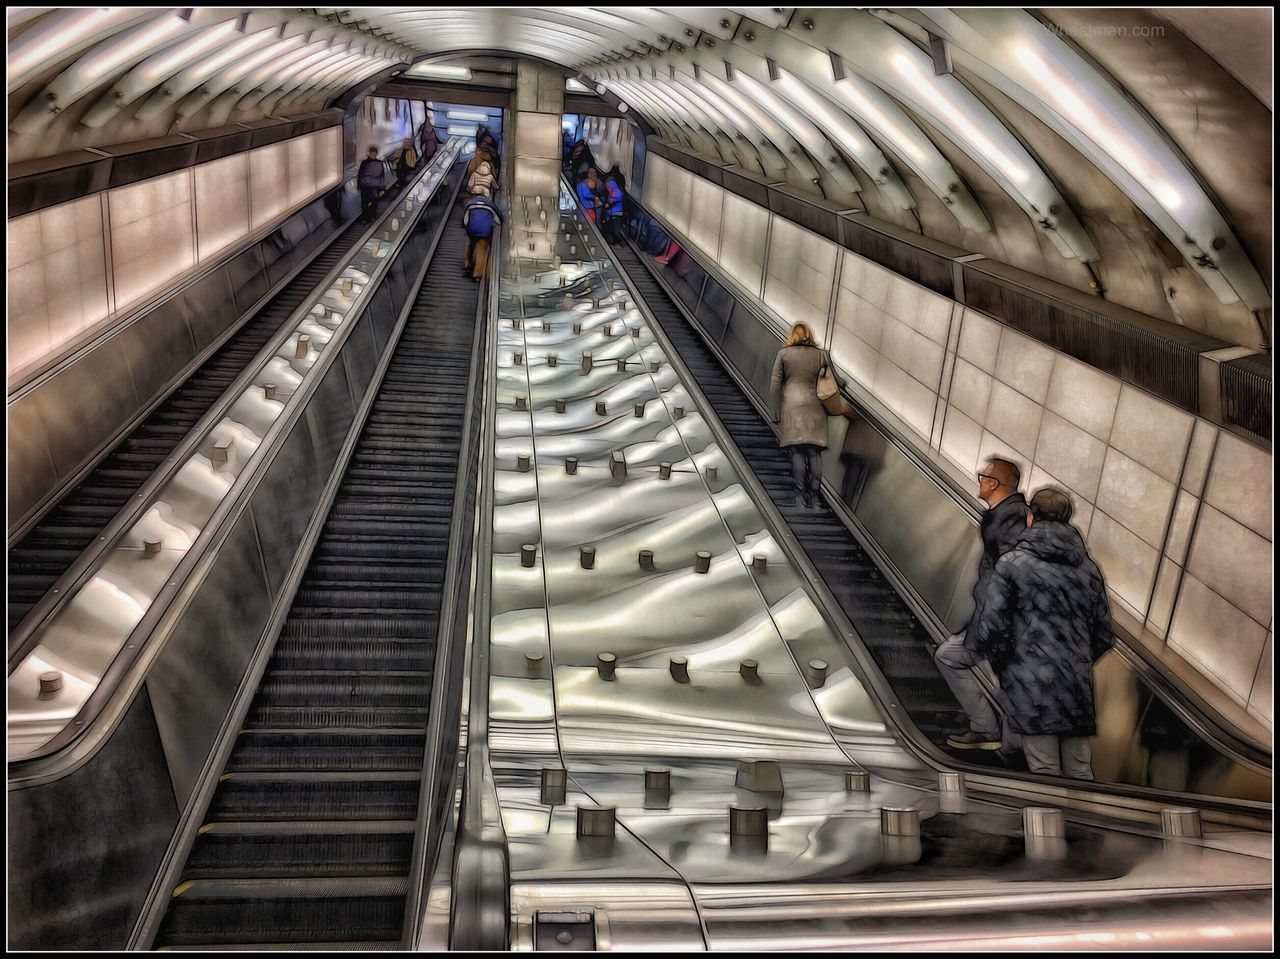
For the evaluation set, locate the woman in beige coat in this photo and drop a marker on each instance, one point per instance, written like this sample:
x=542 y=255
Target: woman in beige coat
x=800 y=417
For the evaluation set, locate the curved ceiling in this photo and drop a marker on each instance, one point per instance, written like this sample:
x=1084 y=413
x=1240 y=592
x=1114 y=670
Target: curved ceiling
x=922 y=115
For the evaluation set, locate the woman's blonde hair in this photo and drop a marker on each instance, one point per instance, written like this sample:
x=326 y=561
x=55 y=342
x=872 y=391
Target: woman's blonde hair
x=801 y=335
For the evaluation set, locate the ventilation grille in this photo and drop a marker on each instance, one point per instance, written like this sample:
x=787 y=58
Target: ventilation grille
x=1246 y=394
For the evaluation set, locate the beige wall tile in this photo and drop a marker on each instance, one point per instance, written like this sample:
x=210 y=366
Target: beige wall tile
x=917 y=405
x=1014 y=418
x=1128 y=563
x=854 y=357
x=898 y=342
x=961 y=438
x=268 y=183
x=934 y=318
x=861 y=318
x=1151 y=432
x=26 y=244
x=1225 y=642
x=328 y=149
x=742 y=248
x=1071 y=454
x=302 y=170
x=926 y=362
x=1083 y=396
x=876 y=282
x=704 y=220
x=980 y=340
x=970 y=390
x=1137 y=497
x=1024 y=364
x=1240 y=483
x=1232 y=560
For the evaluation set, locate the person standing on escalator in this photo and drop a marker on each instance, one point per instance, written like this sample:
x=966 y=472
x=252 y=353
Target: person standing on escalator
x=1043 y=622
x=800 y=417
x=372 y=181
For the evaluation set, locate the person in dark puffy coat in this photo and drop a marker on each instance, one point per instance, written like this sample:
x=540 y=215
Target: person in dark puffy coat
x=1043 y=623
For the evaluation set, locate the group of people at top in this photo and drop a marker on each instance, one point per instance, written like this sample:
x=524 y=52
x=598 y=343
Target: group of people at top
x=1041 y=617
x=480 y=211
x=601 y=197
x=374 y=179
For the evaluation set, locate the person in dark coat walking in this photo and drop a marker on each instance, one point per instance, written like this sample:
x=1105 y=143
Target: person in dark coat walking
x=800 y=417
x=1043 y=623
x=1003 y=524
x=372 y=180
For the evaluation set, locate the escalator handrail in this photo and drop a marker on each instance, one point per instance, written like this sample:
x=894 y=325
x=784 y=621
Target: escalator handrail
x=479 y=903
x=455 y=606
x=1138 y=797
x=85 y=733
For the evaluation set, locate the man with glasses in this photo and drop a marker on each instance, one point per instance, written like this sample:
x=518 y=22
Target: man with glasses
x=1002 y=524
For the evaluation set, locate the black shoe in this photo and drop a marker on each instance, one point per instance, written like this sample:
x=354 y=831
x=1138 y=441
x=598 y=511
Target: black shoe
x=972 y=740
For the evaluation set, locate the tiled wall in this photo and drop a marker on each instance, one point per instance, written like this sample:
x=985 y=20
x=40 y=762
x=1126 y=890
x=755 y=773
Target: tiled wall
x=76 y=265
x=1176 y=511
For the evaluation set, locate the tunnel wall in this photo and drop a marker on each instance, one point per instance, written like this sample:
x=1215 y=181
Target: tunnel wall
x=385 y=122
x=76 y=266
x=612 y=140
x=1176 y=510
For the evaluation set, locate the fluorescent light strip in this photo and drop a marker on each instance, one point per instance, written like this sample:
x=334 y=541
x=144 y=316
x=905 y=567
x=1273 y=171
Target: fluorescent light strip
x=437 y=71
x=475 y=115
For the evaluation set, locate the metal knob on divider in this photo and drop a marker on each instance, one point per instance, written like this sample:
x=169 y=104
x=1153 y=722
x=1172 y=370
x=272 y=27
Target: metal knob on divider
x=50 y=683
x=679 y=412
x=152 y=547
x=528 y=553
x=606 y=665
x=608 y=327
x=635 y=332
x=679 y=668
x=759 y=775
x=639 y=410
x=587 y=557
x=1180 y=822
x=571 y=465
x=519 y=359
x=533 y=664
x=553 y=360
x=560 y=406
x=749 y=823
x=546 y=326
x=567 y=302
x=517 y=324
x=654 y=366
x=760 y=562
x=555 y=782
x=601 y=408
x=622 y=366
x=303 y=347
x=270 y=391
x=816 y=673
x=749 y=670
x=596 y=822
x=522 y=402
x=657 y=780
x=347 y=285
x=220 y=454
x=646 y=559
x=524 y=462
x=857 y=781
x=586 y=362
x=618 y=464
x=702 y=561
x=712 y=472
x=664 y=471
x=577 y=328
x=951 y=792
x=900 y=821
x=1044 y=834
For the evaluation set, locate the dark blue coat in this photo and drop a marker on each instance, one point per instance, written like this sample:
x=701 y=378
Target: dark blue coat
x=1042 y=623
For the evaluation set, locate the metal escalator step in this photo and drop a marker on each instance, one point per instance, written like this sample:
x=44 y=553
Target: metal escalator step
x=299 y=850
x=312 y=795
x=328 y=749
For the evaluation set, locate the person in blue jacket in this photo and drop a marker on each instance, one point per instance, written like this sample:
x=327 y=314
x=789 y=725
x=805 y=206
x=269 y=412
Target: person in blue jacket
x=613 y=206
x=588 y=190
x=479 y=216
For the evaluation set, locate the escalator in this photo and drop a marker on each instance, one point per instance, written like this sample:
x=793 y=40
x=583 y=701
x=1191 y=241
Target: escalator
x=309 y=836
x=49 y=548
x=895 y=638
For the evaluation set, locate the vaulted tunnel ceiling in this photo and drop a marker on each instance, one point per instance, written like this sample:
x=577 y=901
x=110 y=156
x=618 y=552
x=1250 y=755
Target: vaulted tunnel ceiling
x=967 y=124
